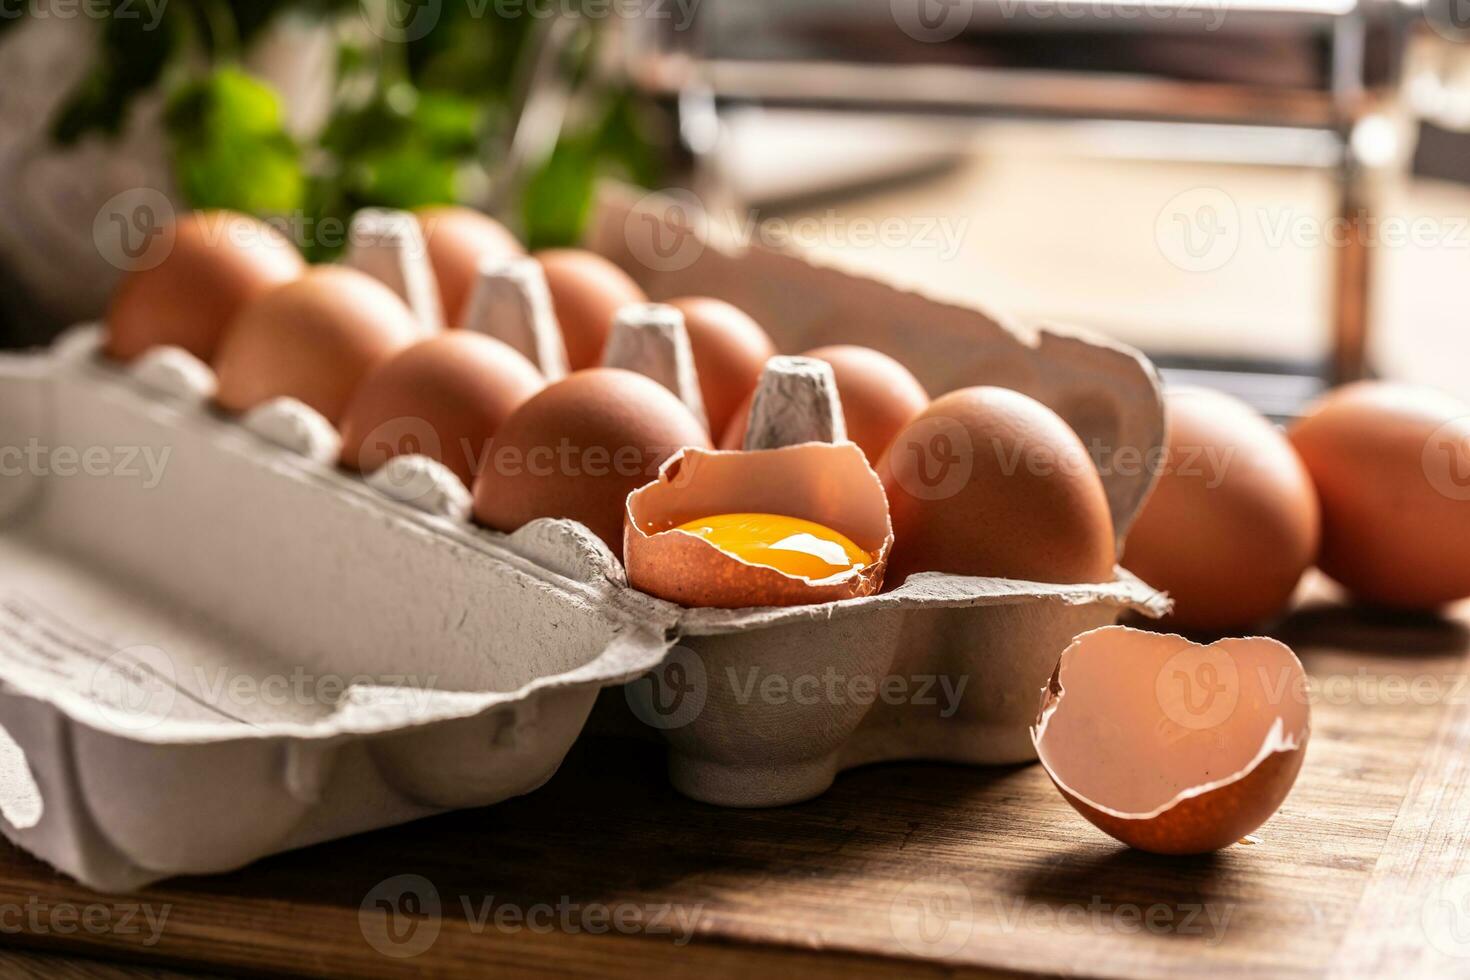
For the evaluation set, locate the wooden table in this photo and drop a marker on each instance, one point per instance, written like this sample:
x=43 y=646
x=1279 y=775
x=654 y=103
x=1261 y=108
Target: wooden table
x=901 y=869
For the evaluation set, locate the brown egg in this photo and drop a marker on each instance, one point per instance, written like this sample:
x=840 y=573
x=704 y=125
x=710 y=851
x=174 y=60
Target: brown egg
x=776 y=527
x=1232 y=522
x=586 y=290
x=442 y=398
x=1391 y=463
x=458 y=238
x=879 y=397
x=213 y=264
x=579 y=447
x=314 y=339
x=730 y=351
x=987 y=481
x=1170 y=746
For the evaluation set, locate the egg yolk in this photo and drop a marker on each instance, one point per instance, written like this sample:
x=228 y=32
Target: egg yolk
x=787 y=544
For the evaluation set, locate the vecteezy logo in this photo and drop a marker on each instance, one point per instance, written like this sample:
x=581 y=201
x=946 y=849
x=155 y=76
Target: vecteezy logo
x=932 y=21
x=134 y=230
x=932 y=916
x=403 y=436
x=1198 y=230
x=1446 y=917
x=1198 y=688
x=401 y=916
x=135 y=688
x=666 y=230
x=933 y=458
x=1450 y=19
x=401 y=20
x=1446 y=459
x=671 y=695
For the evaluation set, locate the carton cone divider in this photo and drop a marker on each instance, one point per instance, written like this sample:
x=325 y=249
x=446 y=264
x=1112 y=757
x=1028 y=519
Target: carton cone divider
x=795 y=402
x=389 y=246
x=512 y=303
x=651 y=339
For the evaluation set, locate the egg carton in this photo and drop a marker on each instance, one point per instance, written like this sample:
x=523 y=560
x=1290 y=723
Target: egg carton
x=218 y=646
x=230 y=647
x=762 y=707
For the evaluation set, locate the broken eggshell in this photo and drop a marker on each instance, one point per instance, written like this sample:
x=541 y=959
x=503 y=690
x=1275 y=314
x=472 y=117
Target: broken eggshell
x=829 y=484
x=1171 y=746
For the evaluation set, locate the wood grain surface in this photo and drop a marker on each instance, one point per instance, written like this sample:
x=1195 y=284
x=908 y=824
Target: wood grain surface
x=49 y=966
x=901 y=869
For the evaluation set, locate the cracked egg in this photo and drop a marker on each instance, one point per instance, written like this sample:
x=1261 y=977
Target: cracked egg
x=1171 y=746
x=770 y=527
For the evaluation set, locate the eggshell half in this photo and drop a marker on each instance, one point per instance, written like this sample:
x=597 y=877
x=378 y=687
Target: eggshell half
x=1170 y=746
x=830 y=484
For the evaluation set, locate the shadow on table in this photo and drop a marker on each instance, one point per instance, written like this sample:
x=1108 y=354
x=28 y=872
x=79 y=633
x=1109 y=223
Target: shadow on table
x=1365 y=629
x=1130 y=891
x=1348 y=628
x=609 y=828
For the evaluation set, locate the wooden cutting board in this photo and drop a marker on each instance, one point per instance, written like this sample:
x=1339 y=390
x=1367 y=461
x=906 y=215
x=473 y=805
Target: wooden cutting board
x=902 y=869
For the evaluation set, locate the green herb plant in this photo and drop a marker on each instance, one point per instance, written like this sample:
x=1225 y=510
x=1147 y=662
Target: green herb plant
x=414 y=121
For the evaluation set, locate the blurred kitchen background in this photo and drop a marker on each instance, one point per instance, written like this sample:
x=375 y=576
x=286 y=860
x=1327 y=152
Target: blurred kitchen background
x=1272 y=192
